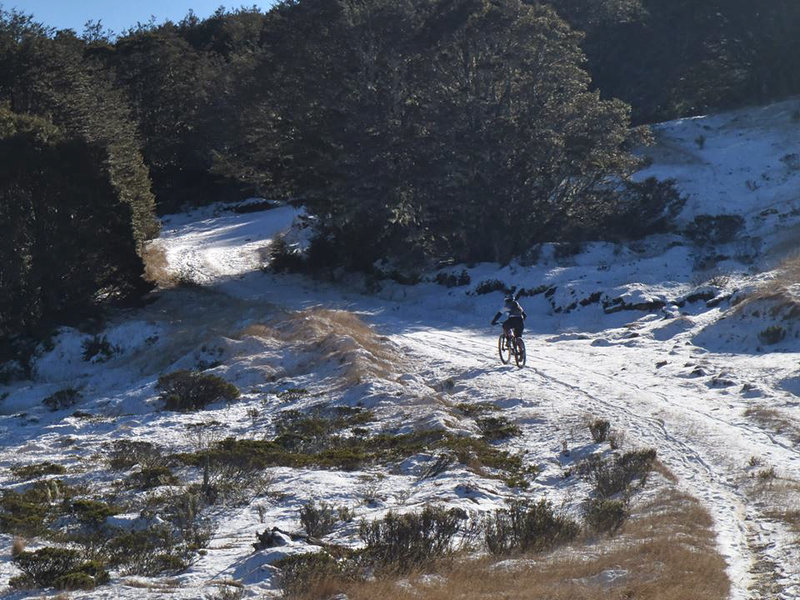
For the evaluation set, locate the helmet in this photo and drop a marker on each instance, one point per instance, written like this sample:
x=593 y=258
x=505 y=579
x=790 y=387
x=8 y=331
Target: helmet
x=508 y=300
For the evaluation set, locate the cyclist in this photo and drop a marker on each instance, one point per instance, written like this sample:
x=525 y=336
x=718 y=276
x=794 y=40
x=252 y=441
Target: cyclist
x=516 y=316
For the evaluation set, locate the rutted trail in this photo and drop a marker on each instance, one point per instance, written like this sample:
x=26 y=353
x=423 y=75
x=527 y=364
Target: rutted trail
x=699 y=433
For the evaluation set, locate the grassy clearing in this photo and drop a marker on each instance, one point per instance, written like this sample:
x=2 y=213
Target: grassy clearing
x=665 y=551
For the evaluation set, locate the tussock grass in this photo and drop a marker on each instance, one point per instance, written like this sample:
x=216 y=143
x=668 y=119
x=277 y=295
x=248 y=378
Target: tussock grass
x=777 y=291
x=337 y=337
x=665 y=551
x=156 y=267
x=773 y=420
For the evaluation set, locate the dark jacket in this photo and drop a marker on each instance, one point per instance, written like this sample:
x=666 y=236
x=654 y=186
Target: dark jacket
x=513 y=309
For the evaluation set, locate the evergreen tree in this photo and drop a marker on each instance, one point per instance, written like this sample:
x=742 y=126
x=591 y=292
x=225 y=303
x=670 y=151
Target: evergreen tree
x=178 y=95
x=457 y=128
x=46 y=73
x=73 y=188
x=69 y=241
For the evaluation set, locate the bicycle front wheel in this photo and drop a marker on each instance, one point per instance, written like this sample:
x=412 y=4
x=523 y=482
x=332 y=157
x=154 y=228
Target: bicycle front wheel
x=520 y=356
x=504 y=349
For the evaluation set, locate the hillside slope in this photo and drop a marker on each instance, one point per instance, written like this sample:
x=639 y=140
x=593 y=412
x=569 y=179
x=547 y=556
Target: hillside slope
x=687 y=346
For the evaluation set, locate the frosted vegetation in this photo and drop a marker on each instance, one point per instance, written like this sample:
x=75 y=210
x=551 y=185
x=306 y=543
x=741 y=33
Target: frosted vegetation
x=248 y=433
x=299 y=395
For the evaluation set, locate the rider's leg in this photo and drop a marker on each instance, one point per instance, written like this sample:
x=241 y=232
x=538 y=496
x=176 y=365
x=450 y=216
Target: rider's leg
x=518 y=324
x=507 y=324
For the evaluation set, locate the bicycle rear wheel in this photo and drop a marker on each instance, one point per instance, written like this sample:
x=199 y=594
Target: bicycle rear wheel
x=520 y=355
x=504 y=349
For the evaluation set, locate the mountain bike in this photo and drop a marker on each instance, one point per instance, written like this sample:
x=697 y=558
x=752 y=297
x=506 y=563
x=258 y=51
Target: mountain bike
x=510 y=345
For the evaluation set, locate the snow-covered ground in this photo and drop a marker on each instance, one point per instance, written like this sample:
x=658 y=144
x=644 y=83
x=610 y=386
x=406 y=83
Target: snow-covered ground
x=668 y=340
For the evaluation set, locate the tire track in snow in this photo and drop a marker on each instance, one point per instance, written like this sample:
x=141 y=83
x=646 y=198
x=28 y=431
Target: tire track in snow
x=753 y=542
x=667 y=418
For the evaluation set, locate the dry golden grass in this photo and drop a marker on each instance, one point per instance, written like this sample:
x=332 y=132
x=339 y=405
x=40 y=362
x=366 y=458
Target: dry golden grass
x=789 y=270
x=779 y=499
x=666 y=551
x=776 y=291
x=17 y=547
x=334 y=336
x=773 y=420
x=156 y=266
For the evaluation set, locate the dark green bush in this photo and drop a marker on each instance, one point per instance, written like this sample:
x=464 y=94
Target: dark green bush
x=488 y=286
x=75 y=581
x=497 y=428
x=604 y=515
x=152 y=477
x=98 y=348
x=124 y=454
x=150 y=552
x=599 y=428
x=614 y=476
x=191 y=390
x=301 y=573
x=284 y=258
x=711 y=230
x=528 y=527
x=318 y=520
x=476 y=409
x=38 y=470
x=402 y=542
x=452 y=280
x=92 y=512
x=62 y=399
x=772 y=335
x=25 y=513
x=45 y=566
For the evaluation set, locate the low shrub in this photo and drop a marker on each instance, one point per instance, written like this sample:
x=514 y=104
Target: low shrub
x=528 y=527
x=476 y=409
x=98 y=349
x=92 y=512
x=402 y=542
x=148 y=553
x=231 y=591
x=125 y=454
x=712 y=230
x=318 y=520
x=302 y=574
x=357 y=451
x=77 y=580
x=191 y=390
x=599 y=428
x=61 y=568
x=183 y=510
x=230 y=479
x=284 y=258
x=312 y=431
x=604 y=515
x=62 y=399
x=772 y=335
x=488 y=286
x=497 y=428
x=792 y=161
x=452 y=280
x=614 y=476
x=291 y=394
x=38 y=470
x=25 y=513
x=152 y=477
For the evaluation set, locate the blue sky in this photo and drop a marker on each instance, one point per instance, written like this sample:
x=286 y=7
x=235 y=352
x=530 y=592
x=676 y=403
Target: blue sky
x=117 y=15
